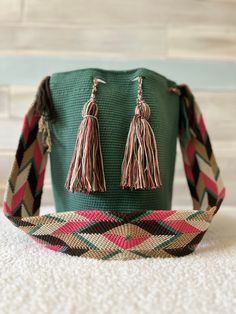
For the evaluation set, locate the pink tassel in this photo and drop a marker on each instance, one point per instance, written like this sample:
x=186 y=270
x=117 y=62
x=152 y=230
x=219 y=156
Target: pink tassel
x=140 y=166
x=86 y=172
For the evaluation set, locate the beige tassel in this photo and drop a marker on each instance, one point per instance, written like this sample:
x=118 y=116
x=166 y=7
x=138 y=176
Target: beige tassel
x=46 y=135
x=86 y=173
x=140 y=166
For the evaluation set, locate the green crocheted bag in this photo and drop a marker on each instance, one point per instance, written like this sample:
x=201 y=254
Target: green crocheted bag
x=111 y=136
x=116 y=102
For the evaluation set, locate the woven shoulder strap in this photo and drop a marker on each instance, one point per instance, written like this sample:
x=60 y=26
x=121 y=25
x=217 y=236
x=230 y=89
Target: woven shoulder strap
x=113 y=234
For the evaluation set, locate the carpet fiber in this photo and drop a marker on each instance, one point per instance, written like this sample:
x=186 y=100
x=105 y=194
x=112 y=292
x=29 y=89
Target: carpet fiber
x=36 y=280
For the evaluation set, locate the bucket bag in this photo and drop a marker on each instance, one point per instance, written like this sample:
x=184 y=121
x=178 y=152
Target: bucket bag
x=111 y=138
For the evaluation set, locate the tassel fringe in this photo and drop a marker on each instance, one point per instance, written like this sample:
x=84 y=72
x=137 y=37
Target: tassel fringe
x=140 y=166
x=86 y=172
x=46 y=135
x=43 y=106
x=43 y=103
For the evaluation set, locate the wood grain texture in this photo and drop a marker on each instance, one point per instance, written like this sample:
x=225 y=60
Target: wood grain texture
x=10 y=11
x=113 y=42
x=202 y=42
x=139 y=12
x=122 y=42
x=94 y=13
x=216 y=13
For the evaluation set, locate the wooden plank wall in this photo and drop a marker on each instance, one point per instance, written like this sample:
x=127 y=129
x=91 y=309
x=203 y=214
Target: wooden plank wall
x=188 y=41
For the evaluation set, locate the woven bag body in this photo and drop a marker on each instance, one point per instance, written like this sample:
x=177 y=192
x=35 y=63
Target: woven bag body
x=116 y=102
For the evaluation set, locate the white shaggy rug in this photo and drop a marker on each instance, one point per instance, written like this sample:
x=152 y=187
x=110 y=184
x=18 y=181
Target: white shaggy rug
x=36 y=280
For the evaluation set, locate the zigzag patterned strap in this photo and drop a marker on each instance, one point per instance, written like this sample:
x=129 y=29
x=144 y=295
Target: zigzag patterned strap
x=112 y=234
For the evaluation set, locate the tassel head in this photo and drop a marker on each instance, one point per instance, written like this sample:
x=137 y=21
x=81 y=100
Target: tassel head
x=140 y=165
x=86 y=172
